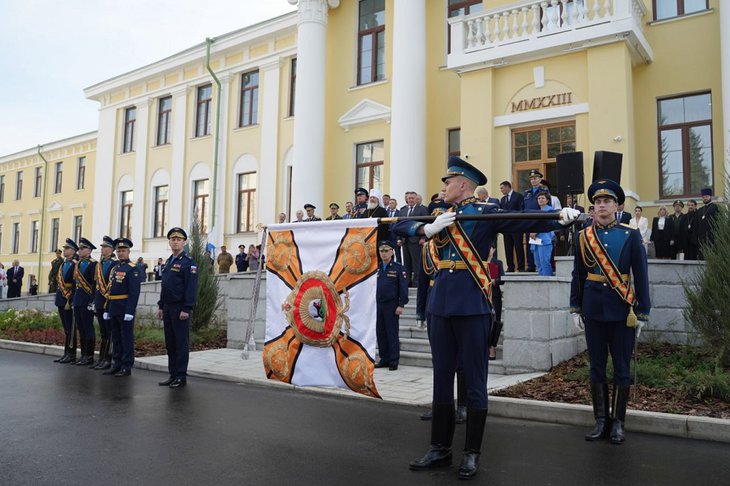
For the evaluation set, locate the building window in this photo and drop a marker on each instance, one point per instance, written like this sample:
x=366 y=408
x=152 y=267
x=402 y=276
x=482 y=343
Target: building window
x=130 y=117
x=78 y=227
x=16 y=237
x=38 y=182
x=292 y=86
x=125 y=219
x=371 y=41
x=2 y=188
x=455 y=142
x=202 y=112
x=34 y=236
x=537 y=148
x=462 y=7
x=164 y=109
x=685 y=145
x=249 y=99
x=246 y=209
x=666 y=9
x=19 y=185
x=58 y=181
x=161 y=194
x=200 y=203
x=81 y=173
x=369 y=165
x=55 y=228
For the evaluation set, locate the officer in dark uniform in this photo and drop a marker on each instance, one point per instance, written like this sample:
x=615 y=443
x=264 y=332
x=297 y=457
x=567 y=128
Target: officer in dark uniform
x=64 y=299
x=530 y=203
x=103 y=283
x=176 y=304
x=459 y=310
x=361 y=202
x=309 y=208
x=603 y=302
x=83 y=301
x=391 y=298
x=121 y=307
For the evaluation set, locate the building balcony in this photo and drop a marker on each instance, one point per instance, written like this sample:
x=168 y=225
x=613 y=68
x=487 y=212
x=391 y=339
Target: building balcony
x=531 y=30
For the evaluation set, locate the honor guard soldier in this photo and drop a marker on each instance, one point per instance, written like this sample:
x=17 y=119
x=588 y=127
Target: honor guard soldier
x=391 y=298
x=64 y=299
x=121 y=307
x=459 y=307
x=103 y=283
x=83 y=301
x=177 y=300
x=607 y=306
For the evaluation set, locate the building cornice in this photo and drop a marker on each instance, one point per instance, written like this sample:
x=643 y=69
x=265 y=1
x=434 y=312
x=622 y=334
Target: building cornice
x=55 y=145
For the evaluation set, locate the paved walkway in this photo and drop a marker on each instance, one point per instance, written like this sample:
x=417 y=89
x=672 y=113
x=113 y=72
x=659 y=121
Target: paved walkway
x=410 y=385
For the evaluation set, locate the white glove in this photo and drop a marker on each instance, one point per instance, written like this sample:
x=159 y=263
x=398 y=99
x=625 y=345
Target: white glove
x=639 y=326
x=106 y=316
x=568 y=215
x=442 y=221
x=578 y=322
x=128 y=317
x=91 y=308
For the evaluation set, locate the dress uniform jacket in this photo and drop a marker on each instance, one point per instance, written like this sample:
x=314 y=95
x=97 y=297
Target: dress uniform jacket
x=596 y=300
x=85 y=289
x=392 y=284
x=65 y=275
x=179 y=282
x=124 y=290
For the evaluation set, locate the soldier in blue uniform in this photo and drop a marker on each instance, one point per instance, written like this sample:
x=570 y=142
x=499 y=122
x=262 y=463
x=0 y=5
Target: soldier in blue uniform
x=176 y=304
x=83 y=301
x=459 y=310
x=603 y=301
x=103 y=271
x=121 y=307
x=530 y=203
x=361 y=202
x=64 y=299
x=391 y=298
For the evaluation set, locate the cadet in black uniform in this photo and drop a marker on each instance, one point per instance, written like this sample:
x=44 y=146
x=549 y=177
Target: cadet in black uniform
x=121 y=307
x=392 y=296
x=177 y=300
x=103 y=283
x=602 y=296
x=64 y=298
x=83 y=301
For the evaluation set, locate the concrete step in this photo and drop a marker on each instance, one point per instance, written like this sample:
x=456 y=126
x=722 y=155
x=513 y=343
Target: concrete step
x=417 y=345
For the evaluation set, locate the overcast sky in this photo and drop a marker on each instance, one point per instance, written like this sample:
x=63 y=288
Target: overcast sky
x=50 y=50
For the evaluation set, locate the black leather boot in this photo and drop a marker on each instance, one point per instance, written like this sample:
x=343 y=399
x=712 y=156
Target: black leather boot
x=107 y=361
x=102 y=346
x=58 y=360
x=460 y=397
x=442 y=433
x=599 y=395
x=85 y=358
x=427 y=415
x=476 y=418
x=618 y=413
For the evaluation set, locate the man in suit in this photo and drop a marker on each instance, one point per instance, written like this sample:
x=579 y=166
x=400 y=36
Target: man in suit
x=512 y=201
x=15 y=279
x=483 y=196
x=412 y=244
x=677 y=219
x=623 y=217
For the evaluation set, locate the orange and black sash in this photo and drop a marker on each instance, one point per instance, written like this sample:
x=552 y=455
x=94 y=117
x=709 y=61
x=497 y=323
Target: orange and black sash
x=83 y=283
x=474 y=264
x=102 y=284
x=65 y=287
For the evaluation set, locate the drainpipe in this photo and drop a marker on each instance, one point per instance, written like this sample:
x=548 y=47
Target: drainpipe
x=43 y=217
x=214 y=189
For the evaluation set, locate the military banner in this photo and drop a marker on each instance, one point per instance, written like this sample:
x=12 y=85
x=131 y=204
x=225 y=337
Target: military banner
x=320 y=304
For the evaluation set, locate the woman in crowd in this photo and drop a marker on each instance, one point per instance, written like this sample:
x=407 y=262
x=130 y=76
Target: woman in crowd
x=662 y=234
x=254 y=255
x=544 y=249
x=4 y=280
x=642 y=224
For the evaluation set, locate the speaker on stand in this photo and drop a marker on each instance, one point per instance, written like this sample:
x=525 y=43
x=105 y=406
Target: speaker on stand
x=607 y=165
x=570 y=182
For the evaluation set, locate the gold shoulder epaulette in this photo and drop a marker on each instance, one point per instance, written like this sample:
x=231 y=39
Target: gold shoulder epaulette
x=132 y=264
x=627 y=225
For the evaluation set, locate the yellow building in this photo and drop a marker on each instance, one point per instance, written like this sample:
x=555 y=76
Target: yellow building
x=46 y=196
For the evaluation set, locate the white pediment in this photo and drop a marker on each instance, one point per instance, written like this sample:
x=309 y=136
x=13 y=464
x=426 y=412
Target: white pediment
x=367 y=111
x=55 y=206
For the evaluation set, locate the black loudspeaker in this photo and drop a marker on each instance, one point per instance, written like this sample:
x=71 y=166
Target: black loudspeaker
x=607 y=165
x=570 y=173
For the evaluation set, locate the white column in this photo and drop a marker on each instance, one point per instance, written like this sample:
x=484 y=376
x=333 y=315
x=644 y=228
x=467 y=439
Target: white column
x=217 y=229
x=725 y=91
x=308 y=166
x=408 y=99
x=104 y=183
x=140 y=173
x=177 y=170
x=266 y=209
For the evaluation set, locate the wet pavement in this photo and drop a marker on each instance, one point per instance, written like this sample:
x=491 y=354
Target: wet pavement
x=62 y=424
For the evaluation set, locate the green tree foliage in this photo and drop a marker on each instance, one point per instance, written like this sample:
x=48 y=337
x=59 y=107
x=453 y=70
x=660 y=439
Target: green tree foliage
x=207 y=302
x=708 y=292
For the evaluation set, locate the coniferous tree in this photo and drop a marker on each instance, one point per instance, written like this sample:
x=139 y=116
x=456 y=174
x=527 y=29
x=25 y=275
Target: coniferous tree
x=207 y=302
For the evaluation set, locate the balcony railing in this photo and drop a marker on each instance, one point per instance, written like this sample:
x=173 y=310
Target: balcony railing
x=535 y=29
